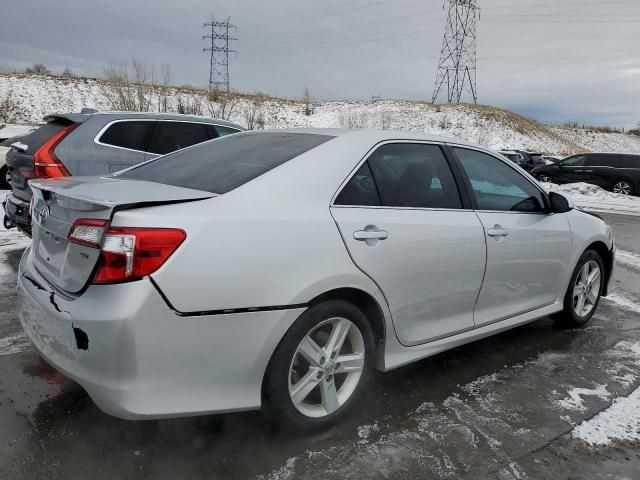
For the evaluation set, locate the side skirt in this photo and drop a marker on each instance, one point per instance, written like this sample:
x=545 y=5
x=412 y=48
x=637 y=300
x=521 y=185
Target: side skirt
x=397 y=355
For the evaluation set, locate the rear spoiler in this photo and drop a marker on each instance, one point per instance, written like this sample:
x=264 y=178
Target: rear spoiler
x=69 y=117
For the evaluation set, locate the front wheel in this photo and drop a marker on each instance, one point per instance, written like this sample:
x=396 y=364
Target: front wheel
x=583 y=295
x=544 y=179
x=320 y=367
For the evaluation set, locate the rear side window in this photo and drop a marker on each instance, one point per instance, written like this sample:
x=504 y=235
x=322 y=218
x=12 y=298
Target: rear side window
x=134 y=134
x=226 y=163
x=576 y=161
x=222 y=131
x=171 y=136
x=629 y=161
x=414 y=175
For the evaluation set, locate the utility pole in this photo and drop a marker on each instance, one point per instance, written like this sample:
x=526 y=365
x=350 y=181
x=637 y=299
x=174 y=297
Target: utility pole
x=457 y=66
x=219 y=48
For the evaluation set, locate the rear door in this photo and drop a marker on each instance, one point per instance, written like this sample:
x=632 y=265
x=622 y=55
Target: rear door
x=527 y=249
x=405 y=225
x=169 y=136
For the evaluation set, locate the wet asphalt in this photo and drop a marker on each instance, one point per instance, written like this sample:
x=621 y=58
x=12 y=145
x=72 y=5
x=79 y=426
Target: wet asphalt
x=499 y=408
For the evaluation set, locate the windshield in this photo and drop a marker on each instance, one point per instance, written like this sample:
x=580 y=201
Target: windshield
x=219 y=166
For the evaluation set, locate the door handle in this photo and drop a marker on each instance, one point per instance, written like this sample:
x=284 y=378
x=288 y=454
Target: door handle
x=498 y=231
x=364 y=235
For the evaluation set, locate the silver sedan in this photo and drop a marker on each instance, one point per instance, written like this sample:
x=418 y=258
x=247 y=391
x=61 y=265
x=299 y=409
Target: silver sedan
x=277 y=269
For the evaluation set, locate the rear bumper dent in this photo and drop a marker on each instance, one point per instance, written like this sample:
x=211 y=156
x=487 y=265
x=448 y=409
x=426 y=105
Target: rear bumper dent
x=138 y=360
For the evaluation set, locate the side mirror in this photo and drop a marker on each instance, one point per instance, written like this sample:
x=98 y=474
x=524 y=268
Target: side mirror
x=559 y=203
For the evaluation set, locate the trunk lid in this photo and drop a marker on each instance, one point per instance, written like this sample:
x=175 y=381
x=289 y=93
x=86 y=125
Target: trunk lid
x=58 y=203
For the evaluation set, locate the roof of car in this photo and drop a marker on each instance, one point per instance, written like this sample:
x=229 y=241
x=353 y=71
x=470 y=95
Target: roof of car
x=81 y=117
x=376 y=135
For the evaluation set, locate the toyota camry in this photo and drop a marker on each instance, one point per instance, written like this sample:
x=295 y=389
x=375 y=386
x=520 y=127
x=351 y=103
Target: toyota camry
x=278 y=269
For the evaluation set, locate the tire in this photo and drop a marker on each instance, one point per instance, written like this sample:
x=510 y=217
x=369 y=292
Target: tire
x=569 y=316
x=544 y=178
x=4 y=184
x=292 y=374
x=622 y=186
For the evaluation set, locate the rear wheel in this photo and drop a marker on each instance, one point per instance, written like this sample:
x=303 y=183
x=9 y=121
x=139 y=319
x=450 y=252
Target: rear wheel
x=583 y=295
x=320 y=367
x=622 y=187
x=4 y=178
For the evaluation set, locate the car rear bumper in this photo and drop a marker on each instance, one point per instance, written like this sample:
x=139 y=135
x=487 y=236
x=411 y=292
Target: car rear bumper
x=18 y=212
x=138 y=359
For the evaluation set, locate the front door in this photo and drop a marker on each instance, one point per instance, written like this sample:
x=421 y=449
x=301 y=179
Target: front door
x=402 y=220
x=528 y=249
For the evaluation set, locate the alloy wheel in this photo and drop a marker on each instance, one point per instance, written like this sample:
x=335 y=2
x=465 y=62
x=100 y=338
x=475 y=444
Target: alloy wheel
x=623 y=188
x=544 y=179
x=586 y=290
x=326 y=367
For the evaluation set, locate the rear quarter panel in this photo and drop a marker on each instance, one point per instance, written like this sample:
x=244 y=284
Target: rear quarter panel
x=270 y=242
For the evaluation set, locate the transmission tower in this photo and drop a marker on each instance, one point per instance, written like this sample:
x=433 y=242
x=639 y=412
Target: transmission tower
x=219 y=48
x=457 y=67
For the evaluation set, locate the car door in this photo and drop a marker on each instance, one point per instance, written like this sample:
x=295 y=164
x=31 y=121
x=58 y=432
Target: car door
x=172 y=135
x=528 y=249
x=403 y=221
x=571 y=170
x=598 y=170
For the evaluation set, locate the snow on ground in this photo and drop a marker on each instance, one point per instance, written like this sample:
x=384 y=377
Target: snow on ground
x=621 y=421
x=491 y=127
x=594 y=198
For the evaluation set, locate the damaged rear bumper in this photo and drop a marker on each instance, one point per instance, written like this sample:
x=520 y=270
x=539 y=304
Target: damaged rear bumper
x=137 y=359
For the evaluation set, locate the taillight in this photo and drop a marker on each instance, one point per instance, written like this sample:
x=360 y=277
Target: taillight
x=46 y=164
x=129 y=254
x=88 y=232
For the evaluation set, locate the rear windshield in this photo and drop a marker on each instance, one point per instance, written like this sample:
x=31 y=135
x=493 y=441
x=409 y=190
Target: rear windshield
x=219 y=166
x=38 y=137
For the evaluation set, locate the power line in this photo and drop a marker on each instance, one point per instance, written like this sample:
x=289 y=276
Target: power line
x=219 y=49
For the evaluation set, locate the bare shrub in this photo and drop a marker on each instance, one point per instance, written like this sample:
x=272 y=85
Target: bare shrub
x=253 y=114
x=164 y=89
x=8 y=108
x=38 y=69
x=306 y=98
x=68 y=73
x=386 y=119
x=129 y=87
x=221 y=105
x=353 y=119
x=444 y=122
x=189 y=105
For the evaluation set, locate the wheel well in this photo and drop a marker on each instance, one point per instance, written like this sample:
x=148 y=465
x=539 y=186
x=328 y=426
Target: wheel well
x=363 y=301
x=607 y=259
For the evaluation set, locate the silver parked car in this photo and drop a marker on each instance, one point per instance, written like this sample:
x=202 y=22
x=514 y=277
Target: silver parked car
x=278 y=268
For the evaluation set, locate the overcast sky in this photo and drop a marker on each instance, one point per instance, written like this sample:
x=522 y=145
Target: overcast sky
x=567 y=60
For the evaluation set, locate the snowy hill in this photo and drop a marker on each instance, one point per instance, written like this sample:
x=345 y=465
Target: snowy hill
x=34 y=96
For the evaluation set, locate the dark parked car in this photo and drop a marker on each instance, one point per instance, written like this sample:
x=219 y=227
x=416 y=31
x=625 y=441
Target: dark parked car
x=96 y=143
x=617 y=172
x=527 y=160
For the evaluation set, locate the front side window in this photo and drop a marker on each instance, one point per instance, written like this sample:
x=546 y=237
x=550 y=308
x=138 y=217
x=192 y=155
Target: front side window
x=171 y=136
x=498 y=187
x=577 y=161
x=134 y=135
x=414 y=175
